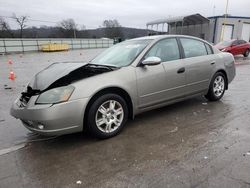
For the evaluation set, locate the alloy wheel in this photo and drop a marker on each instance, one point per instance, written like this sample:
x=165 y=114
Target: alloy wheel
x=109 y=116
x=219 y=86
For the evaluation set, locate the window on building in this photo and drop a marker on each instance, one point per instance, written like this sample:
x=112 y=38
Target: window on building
x=166 y=50
x=193 y=48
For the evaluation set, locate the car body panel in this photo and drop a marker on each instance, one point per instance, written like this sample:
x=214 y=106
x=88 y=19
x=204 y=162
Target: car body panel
x=148 y=87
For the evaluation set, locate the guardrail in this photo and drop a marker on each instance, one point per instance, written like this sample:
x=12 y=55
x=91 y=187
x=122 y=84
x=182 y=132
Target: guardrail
x=15 y=45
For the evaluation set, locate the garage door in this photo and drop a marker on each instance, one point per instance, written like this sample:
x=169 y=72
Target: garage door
x=228 y=32
x=246 y=32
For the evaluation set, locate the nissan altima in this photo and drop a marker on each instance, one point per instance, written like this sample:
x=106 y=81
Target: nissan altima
x=127 y=79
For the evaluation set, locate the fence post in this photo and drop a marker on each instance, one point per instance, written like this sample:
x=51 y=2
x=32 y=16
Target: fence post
x=37 y=45
x=4 y=45
x=72 y=44
x=22 y=44
x=81 y=43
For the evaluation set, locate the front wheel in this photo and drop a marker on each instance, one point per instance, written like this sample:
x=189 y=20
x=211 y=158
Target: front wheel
x=107 y=116
x=217 y=87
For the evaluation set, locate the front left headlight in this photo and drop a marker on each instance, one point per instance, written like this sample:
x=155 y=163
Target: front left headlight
x=56 y=95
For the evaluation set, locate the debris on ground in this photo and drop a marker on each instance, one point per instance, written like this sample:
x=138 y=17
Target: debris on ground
x=205 y=157
x=195 y=113
x=79 y=182
x=1 y=120
x=7 y=88
x=174 y=130
x=204 y=103
x=247 y=153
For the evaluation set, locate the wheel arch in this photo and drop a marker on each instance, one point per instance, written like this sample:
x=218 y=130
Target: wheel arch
x=115 y=90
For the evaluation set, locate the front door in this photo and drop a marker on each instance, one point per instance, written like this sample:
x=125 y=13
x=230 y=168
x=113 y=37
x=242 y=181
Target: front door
x=160 y=83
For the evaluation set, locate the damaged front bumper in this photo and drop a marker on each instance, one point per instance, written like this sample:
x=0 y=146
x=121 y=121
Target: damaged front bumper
x=51 y=119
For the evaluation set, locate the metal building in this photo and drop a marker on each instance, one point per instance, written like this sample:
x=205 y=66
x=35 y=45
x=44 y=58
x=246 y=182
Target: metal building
x=210 y=28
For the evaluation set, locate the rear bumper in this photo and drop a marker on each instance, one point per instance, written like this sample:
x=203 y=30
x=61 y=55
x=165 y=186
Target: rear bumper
x=57 y=119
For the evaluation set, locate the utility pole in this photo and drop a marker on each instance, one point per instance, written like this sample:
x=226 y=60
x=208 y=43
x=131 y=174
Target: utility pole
x=224 y=22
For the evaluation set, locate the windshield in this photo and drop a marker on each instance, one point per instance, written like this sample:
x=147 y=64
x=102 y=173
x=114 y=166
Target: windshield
x=122 y=54
x=225 y=43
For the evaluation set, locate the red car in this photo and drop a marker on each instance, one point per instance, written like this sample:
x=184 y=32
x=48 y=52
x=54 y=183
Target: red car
x=235 y=47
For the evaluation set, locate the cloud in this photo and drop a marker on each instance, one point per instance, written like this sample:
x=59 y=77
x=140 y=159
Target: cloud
x=130 y=13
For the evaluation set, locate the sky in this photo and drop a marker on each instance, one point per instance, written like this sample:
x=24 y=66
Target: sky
x=129 y=13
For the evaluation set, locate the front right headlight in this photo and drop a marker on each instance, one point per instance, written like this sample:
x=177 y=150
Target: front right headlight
x=56 y=95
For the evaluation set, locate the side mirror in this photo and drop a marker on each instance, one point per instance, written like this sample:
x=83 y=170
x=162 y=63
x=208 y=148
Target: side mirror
x=150 y=61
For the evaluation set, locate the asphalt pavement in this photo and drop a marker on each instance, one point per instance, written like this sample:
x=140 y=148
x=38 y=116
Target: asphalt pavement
x=194 y=143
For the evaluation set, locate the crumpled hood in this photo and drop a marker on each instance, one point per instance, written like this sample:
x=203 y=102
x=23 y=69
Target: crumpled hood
x=62 y=74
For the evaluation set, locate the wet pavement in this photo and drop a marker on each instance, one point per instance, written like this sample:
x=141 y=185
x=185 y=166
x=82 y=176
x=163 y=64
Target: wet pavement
x=194 y=143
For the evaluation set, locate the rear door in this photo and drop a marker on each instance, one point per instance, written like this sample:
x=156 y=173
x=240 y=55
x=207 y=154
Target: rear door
x=199 y=62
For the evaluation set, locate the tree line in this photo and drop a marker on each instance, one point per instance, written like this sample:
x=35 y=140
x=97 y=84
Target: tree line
x=66 y=28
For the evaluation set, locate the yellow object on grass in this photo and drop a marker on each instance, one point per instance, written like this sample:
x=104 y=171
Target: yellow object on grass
x=54 y=47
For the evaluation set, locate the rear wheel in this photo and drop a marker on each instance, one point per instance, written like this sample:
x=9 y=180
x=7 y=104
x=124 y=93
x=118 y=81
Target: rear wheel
x=107 y=116
x=246 y=54
x=217 y=87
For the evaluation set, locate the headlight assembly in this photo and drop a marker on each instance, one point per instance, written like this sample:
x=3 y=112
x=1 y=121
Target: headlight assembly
x=56 y=95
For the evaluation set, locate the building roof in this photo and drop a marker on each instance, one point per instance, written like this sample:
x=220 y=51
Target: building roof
x=229 y=16
x=187 y=20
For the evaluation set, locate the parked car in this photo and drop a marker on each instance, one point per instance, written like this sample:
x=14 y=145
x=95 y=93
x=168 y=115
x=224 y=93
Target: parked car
x=127 y=79
x=235 y=47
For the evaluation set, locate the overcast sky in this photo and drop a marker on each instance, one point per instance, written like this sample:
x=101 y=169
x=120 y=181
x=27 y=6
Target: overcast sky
x=129 y=13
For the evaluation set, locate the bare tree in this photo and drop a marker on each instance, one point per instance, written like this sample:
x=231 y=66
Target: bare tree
x=21 y=20
x=69 y=27
x=5 y=29
x=111 y=23
x=112 y=29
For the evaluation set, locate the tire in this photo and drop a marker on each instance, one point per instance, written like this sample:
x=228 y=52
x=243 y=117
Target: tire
x=110 y=111
x=217 y=87
x=246 y=54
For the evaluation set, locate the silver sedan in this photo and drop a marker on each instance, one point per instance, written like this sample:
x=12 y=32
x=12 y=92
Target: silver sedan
x=129 y=78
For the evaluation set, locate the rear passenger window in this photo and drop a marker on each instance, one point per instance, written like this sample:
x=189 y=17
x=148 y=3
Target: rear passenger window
x=193 y=48
x=166 y=49
x=209 y=50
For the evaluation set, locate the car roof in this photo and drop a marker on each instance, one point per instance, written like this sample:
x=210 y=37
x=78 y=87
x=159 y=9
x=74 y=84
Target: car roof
x=158 y=37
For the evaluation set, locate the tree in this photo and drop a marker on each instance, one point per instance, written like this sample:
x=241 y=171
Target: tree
x=21 y=20
x=111 y=23
x=68 y=27
x=112 y=29
x=5 y=29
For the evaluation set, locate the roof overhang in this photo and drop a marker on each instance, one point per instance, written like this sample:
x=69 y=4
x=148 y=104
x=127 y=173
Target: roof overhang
x=193 y=19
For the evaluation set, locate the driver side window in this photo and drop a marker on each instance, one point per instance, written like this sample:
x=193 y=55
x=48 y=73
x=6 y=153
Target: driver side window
x=166 y=50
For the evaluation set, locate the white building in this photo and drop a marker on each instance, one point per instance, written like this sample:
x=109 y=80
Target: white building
x=210 y=29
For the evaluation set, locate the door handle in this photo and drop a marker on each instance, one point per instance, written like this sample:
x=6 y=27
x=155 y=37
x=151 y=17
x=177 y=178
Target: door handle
x=181 y=70
x=212 y=63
